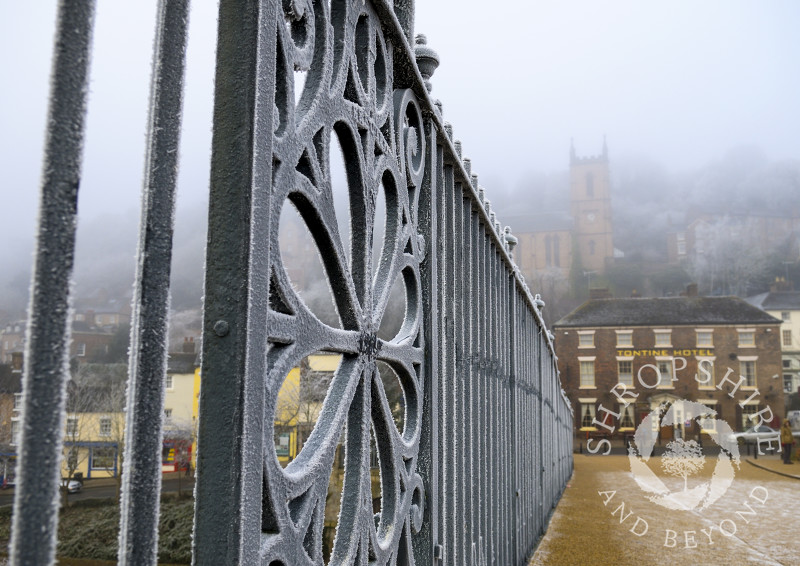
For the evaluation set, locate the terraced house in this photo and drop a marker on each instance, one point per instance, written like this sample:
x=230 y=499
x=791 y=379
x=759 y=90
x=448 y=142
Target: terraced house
x=721 y=352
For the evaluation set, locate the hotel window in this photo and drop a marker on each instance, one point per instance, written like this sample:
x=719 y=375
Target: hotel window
x=17 y=402
x=747 y=369
x=625 y=369
x=787 y=337
x=80 y=350
x=624 y=338
x=788 y=383
x=681 y=248
x=626 y=419
x=705 y=373
x=747 y=412
x=587 y=373
x=105 y=426
x=663 y=337
x=168 y=382
x=167 y=413
x=665 y=369
x=786 y=316
x=747 y=338
x=14 y=432
x=585 y=338
x=705 y=338
x=708 y=421
x=587 y=414
x=787 y=364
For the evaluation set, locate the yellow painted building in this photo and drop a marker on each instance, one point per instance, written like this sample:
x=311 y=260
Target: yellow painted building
x=299 y=403
x=93 y=445
x=180 y=422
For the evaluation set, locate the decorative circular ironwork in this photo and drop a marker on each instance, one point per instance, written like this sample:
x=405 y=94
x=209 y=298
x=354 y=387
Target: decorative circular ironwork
x=345 y=94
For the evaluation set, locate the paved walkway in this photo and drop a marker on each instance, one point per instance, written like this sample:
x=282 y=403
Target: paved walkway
x=585 y=531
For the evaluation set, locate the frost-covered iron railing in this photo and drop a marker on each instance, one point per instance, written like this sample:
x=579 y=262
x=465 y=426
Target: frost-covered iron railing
x=484 y=450
x=46 y=373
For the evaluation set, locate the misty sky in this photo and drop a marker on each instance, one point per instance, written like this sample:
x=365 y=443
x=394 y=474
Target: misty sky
x=680 y=82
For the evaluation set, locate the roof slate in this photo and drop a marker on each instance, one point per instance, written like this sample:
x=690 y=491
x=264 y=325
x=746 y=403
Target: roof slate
x=182 y=362
x=777 y=300
x=666 y=311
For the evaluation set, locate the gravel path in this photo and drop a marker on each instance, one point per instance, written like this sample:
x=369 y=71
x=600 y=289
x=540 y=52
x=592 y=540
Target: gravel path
x=584 y=531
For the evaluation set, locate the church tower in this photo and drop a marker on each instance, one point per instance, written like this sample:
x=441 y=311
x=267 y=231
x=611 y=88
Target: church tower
x=590 y=205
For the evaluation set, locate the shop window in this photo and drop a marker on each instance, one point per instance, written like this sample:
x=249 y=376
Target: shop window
x=103 y=457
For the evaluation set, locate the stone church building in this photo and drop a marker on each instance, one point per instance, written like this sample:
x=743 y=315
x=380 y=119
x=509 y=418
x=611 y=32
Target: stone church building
x=553 y=243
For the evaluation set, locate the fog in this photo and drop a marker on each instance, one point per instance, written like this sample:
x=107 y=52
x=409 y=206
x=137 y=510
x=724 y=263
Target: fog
x=697 y=102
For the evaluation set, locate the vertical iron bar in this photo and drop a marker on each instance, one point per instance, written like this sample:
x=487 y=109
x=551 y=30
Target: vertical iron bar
x=141 y=480
x=230 y=465
x=429 y=219
x=46 y=371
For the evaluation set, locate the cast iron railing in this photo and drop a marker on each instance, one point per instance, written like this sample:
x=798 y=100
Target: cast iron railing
x=484 y=450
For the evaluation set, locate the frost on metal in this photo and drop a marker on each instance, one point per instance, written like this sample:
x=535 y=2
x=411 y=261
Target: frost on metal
x=348 y=95
x=484 y=450
x=141 y=485
x=36 y=501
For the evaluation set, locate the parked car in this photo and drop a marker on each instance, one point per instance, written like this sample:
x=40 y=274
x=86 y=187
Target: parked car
x=72 y=486
x=761 y=433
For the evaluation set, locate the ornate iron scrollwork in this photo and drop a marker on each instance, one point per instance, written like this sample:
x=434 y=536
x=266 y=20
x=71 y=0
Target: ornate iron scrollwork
x=347 y=93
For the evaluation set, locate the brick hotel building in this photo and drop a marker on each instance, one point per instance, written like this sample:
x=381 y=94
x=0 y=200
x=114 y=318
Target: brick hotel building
x=704 y=348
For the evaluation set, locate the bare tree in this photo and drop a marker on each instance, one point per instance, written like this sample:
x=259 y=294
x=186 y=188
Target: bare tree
x=95 y=405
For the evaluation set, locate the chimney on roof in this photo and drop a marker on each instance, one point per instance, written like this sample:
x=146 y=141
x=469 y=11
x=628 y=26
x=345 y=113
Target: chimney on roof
x=781 y=284
x=691 y=290
x=599 y=293
x=188 y=346
x=16 y=362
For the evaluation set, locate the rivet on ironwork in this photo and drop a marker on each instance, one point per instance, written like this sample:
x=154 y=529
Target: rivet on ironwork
x=468 y=165
x=474 y=181
x=421 y=246
x=457 y=145
x=427 y=59
x=438 y=104
x=487 y=204
x=221 y=328
x=537 y=300
x=448 y=129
